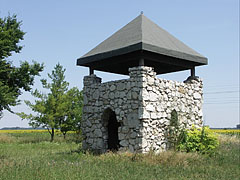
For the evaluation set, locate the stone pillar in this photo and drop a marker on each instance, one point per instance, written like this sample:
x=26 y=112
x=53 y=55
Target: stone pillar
x=145 y=76
x=90 y=83
x=195 y=90
x=91 y=79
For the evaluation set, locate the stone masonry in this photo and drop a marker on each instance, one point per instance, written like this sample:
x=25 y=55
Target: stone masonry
x=142 y=105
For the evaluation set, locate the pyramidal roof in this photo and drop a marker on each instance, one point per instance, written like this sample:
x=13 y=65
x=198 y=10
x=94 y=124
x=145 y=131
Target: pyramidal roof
x=142 y=34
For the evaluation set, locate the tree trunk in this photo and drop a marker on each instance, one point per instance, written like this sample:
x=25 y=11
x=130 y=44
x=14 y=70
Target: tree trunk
x=52 y=135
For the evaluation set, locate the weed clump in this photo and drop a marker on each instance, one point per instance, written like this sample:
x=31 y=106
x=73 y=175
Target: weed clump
x=200 y=140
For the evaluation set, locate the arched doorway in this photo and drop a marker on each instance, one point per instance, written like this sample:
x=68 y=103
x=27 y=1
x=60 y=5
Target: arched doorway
x=111 y=125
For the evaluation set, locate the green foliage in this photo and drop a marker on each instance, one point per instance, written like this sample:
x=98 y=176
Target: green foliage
x=13 y=79
x=59 y=109
x=198 y=140
x=73 y=112
x=193 y=140
x=10 y=36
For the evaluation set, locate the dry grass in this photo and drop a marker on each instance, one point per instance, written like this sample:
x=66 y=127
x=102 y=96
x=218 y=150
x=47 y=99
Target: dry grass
x=6 y=138
x=172 y=158
x=229 y=139
x=169 y=158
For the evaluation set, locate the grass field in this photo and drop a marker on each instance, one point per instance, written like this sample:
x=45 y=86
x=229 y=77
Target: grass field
x=30 y=155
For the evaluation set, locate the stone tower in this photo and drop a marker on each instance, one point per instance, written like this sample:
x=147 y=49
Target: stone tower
x=134 y=114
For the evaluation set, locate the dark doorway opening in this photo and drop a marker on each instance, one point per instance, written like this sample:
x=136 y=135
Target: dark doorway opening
x=112 y=130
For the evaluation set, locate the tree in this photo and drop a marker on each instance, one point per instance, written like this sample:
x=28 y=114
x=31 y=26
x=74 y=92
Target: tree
x=13 y=79
x=59 y=109
x=50 y=108
x=73 y=116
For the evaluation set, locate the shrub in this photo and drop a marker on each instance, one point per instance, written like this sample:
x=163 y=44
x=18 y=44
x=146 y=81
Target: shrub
x=198 y=140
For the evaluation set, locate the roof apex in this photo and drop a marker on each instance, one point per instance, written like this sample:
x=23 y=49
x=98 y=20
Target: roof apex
x=142 y=34
x=141 y=29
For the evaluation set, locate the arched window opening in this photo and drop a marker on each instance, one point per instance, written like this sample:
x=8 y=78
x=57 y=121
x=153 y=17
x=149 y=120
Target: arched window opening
x=111 y=124
x=174 y=119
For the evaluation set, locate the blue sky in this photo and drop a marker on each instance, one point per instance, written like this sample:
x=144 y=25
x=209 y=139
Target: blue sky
x=63 y=30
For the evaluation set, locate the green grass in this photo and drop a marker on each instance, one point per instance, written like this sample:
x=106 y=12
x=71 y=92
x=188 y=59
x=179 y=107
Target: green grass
x=40 y=159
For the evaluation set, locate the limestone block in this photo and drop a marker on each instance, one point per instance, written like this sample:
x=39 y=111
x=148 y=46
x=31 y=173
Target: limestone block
x=96 y=94
x=85 y=99
x=133 y=135
x=116 y=95
x=133 y=84
x=111 y=95
x=144 y=85
x=122 y=94
x=124 y=107
x=145 y=94
x=144 y=143
x=134 y=106
x=143 y=113
x=182 y=108
x=117 y=111
x=134 y=95
x=88 y=123
x=87 y=129
x=105 y=95
x=105 y=102
x=131 y=148
x=129 y=95
x=132 y=120
x=150 y=107
x=197 y=95
x=190 y=92
x=164 y=114
x=121 y=114
x=165 y=97
x=98 y=133
x=89 y=140
x=132 y=141
x=200 y=113
x=99 y=143
x=124 y=143
x=153 y=115
x=120 y=86
x=112 y=87
x=120 y=101
x=153 y=96
x=121 y=136
x=149 y=88
x=195 y=109
x=168 y=91
x=128 y=85
x=168 y=104
x=167 y=84
x=150 y=80
x=159 y=108
x=125 y=129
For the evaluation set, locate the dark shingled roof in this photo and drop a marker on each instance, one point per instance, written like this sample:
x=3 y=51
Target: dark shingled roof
x=141 y=38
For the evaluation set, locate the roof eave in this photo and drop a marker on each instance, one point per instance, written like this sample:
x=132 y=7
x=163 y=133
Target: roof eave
x=83 y=61
x=89 y=59
x=176 y=54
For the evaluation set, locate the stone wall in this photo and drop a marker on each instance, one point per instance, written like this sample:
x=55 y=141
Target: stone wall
x=142 y=105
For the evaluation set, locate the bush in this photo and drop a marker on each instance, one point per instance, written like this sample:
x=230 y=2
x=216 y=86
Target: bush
x=198 y=140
